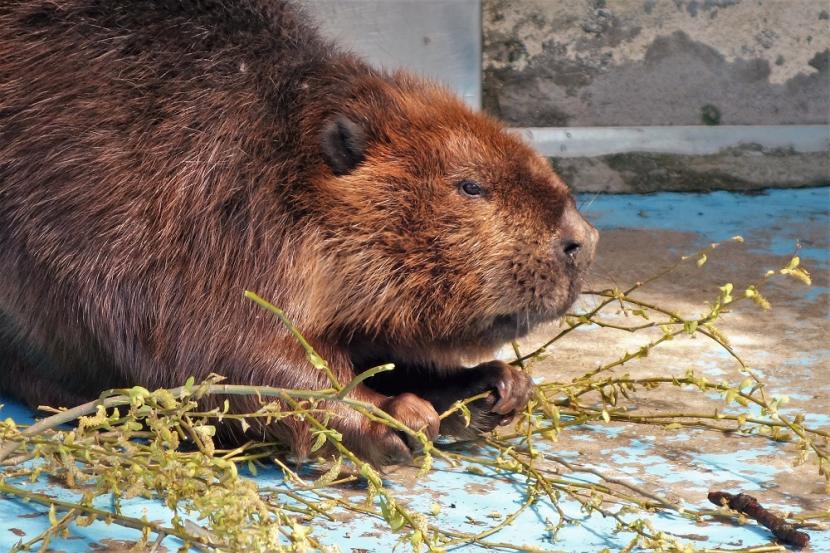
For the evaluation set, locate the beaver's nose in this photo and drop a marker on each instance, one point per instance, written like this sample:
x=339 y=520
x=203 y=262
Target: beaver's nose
x=577 y=239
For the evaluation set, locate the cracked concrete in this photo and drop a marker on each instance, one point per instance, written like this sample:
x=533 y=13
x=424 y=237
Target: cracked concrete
x=787 y=345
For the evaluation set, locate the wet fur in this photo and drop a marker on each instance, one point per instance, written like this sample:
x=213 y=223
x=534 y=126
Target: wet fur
x=157 y=158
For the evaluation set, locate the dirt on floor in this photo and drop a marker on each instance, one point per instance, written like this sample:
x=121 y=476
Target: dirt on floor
x=787 y=346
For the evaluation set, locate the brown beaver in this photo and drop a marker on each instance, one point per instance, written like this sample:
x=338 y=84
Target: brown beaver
x=159 y=157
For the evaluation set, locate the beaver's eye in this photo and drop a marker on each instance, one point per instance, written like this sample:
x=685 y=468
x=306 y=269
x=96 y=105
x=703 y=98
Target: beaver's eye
x=470 y=188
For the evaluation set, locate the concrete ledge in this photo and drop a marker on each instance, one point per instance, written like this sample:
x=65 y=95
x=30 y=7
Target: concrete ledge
x=684 y=140
x=686 y=158
x=736 y=169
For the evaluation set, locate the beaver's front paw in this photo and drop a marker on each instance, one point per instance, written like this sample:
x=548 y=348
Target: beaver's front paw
x=512 y=387
x=391 y=447
x=510 y=391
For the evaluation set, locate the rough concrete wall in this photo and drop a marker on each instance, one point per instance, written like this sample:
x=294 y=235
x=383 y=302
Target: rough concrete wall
x=741 y=168
x=657 y=62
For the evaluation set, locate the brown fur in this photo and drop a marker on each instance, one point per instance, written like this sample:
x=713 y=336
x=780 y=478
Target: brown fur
x=158 y=157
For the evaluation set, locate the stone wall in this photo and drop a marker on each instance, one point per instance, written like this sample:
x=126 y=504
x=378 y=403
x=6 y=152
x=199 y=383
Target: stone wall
x=647 y=63
x=706 y=68
x=657 y=62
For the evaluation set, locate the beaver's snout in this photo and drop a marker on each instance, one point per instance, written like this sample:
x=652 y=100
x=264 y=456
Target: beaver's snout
x=576 y=242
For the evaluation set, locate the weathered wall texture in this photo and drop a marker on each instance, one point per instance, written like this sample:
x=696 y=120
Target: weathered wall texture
x=741 y=168
x=657 y=62
x=607 y=63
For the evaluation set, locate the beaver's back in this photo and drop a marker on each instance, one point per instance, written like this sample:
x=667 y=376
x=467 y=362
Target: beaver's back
x=158 y=158
x=129 y=134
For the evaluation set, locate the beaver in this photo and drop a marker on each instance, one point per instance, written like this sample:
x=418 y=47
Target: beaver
x=159 y=157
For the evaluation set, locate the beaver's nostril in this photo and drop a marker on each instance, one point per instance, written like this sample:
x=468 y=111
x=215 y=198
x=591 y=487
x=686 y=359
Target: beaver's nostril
x=572 y=248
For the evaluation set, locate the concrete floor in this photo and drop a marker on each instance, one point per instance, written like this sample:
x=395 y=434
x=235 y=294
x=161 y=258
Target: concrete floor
x=788 y=346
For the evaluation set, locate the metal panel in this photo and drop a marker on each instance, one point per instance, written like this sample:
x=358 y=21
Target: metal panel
x=437 y=38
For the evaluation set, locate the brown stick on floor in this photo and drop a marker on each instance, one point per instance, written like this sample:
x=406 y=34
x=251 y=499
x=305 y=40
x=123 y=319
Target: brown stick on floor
x=749 y=506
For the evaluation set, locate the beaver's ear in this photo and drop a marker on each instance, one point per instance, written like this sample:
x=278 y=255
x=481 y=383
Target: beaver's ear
x=343 y=144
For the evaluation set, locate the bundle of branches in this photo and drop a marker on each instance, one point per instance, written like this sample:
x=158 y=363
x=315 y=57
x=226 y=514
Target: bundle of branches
x=159 y=445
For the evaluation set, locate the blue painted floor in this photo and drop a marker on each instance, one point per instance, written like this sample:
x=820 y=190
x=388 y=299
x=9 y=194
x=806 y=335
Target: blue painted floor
x=682 y=464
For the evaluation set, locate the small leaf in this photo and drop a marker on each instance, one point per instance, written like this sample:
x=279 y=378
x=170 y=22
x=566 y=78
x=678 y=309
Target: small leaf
x=726 y=293
x=204 y=430
x=802 y=275
x=330 y=475
x=640 y=313
x=318 y=442
x=416 y=540
x=391 y=515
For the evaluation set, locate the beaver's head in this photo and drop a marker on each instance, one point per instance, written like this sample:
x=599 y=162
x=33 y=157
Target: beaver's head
x=444 y=232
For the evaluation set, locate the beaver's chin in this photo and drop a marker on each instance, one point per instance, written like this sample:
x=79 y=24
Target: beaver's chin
x=476 y=341
x=497 y=330
x=508 y=326
x=479 y=341
x=503 y=328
